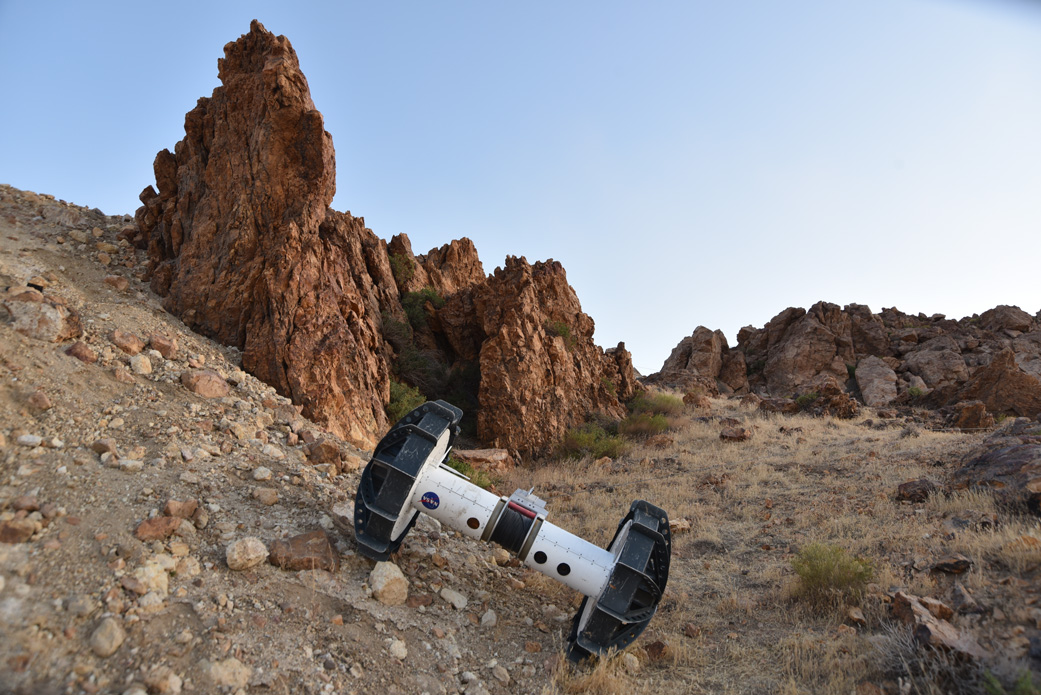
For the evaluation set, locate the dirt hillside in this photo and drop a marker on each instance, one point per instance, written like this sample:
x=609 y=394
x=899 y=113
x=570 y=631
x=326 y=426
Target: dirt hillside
x=134 y=472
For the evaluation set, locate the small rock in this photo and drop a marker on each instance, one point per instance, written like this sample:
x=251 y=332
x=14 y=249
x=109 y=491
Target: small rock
x=489 y=619
x=205 y=383
x=856 y=616
x=157 y=528
x=501 y=674
x=963 y=601
x=323 y=451
x=262 y=473
x=266 y=496
x=127 y=341
x=17 y=530
x=389 y=585
x=735 y=434
x=131 y=465
x=183 y=510
x=167 y=347
x=398 y=649
x=229 y=673
x=140 y=364
x=39 y=401
x=272 y=451
x=107 y=637
x=25 y=503
x=29 y=440
x=162 y=680
x=118 y=282
x=104 y=446
x=246 y=553
x=82 y=352
x=307 y=551
x=630 y=663
x=455 y=598
x=953 y=564
x=916 y=491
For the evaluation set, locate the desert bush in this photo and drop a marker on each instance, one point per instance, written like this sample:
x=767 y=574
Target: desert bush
x=397 y=333
x=643 y=425
x=914 y=392
x=804 y=400
x=591 y=439
x=403 y=399
x=422 y=369
x=609 y=385
x=756 y=366
x=656 y=404
x=414 y=304
x=477 y=477
x=563 y=330
x=1024 y=685
x=828 y=573
x=402 y=267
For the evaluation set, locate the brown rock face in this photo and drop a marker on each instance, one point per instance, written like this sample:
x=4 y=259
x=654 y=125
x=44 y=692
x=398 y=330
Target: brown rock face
x=244 y=249
x=540 y=371
x=994 y=358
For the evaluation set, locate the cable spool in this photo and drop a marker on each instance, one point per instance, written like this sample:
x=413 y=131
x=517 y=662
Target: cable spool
x=512 y=528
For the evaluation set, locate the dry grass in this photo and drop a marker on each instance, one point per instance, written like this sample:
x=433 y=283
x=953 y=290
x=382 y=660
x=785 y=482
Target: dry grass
x=730 y=617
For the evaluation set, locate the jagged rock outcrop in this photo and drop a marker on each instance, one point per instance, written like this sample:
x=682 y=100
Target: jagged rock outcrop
x=244 y=248
x=540 y=371
x=994 y=358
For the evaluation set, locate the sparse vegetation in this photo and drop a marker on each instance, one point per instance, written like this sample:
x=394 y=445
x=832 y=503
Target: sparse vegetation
x=915 y=392
x=591 y=439
x=414 y=304
x=403 y=399
x=1024 y=685
x=477 y=477
x=609 y=385
x=756 y=367
x=828 y=573
x=402 y=267
x=564 y=331
x=643 y=424
x=656 y=404
x=806 y=399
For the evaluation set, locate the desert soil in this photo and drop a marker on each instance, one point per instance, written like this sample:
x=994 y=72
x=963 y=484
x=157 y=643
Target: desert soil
x=86 y=606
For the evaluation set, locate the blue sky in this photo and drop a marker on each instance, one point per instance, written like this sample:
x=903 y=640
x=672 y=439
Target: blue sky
x=688 y=162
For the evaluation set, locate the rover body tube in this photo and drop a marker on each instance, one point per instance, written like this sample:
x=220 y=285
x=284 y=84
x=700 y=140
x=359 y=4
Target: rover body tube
x=459 y=504
x=570 y=560
x=453 y=500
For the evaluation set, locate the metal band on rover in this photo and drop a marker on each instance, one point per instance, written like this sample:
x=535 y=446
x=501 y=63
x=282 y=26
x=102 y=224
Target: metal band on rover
x=622 y=585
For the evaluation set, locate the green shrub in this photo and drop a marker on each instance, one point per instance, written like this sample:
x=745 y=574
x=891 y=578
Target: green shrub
x=478 y=478
x=403 y=400
x=1024 y=685
x=914 y=392
x=609 y=385
x=564 y=331
x=756 y=366
x=397 y=333
x=593 y=440
x=414 y=304
x=422 y=369
x=656 y=404
x=828 y=573
x=643 y=424
x=402 y=267
x=851 y=371
x=806 y=399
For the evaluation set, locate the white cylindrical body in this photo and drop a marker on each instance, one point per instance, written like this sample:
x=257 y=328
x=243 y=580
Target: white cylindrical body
x=453 y=500
x=587 y=567
x=461 y=505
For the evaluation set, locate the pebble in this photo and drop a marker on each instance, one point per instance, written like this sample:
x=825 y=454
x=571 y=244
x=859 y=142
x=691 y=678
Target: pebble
x=489 y=619
x=455 y=598
x=388 y=583
x=229 y=673
x=29 y=440
x=272 y=451
x=107 y=637
x=131 y=465
x=501 y=674
x=262 y=473
x=141 y=364
x=266 y=496
x=246 y=553
x=398 y=650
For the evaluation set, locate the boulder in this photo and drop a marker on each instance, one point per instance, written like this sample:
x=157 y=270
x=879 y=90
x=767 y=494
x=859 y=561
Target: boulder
x=1003 y=388
x=930 y=631
x=1003 y=317
x=42 y=317
x=493 y=460
x=1012 y=471
x=970 y=415
x=876 y=381
x=205 y=383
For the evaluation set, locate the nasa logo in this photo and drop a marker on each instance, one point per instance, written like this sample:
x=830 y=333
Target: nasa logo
x=430 y=500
